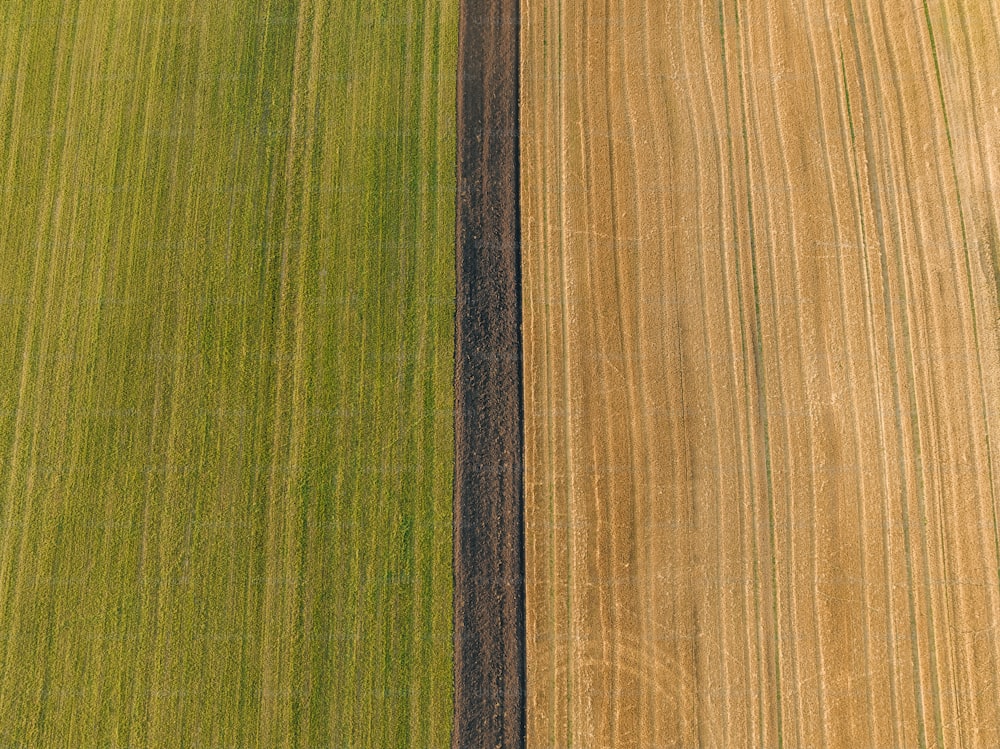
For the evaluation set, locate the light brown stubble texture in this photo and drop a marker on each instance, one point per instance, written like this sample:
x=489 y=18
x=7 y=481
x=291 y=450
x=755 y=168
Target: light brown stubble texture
x=762 y=392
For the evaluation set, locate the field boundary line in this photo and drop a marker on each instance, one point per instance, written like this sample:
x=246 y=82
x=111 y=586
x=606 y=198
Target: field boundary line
x=489 y=613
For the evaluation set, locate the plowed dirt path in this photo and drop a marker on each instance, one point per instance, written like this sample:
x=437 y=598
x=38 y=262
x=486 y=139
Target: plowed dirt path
x=762 y=387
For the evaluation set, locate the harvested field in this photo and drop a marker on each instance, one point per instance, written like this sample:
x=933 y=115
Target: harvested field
x=226 y=361
x=762 y=386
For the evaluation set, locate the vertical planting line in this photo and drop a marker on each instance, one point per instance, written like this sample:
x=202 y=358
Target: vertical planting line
x=489 y=633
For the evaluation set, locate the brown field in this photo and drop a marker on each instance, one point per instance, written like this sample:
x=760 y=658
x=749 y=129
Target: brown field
x=762 y=384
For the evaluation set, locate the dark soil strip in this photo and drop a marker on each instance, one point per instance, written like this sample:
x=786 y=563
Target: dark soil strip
x=489 y=533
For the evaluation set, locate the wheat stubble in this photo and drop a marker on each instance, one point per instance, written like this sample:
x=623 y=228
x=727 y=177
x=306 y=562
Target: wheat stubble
x=762 y=394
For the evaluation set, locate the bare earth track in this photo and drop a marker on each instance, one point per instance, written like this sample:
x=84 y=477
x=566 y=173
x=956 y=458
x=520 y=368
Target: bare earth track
x=488 y=521
x=762 y=388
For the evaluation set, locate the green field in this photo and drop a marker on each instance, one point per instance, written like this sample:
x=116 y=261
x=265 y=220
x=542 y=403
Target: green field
x=226 y=310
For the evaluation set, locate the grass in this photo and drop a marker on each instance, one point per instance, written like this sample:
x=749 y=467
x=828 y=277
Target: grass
x=226 y=309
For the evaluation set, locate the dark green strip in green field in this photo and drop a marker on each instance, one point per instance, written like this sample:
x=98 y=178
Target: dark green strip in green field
x=226 y=357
